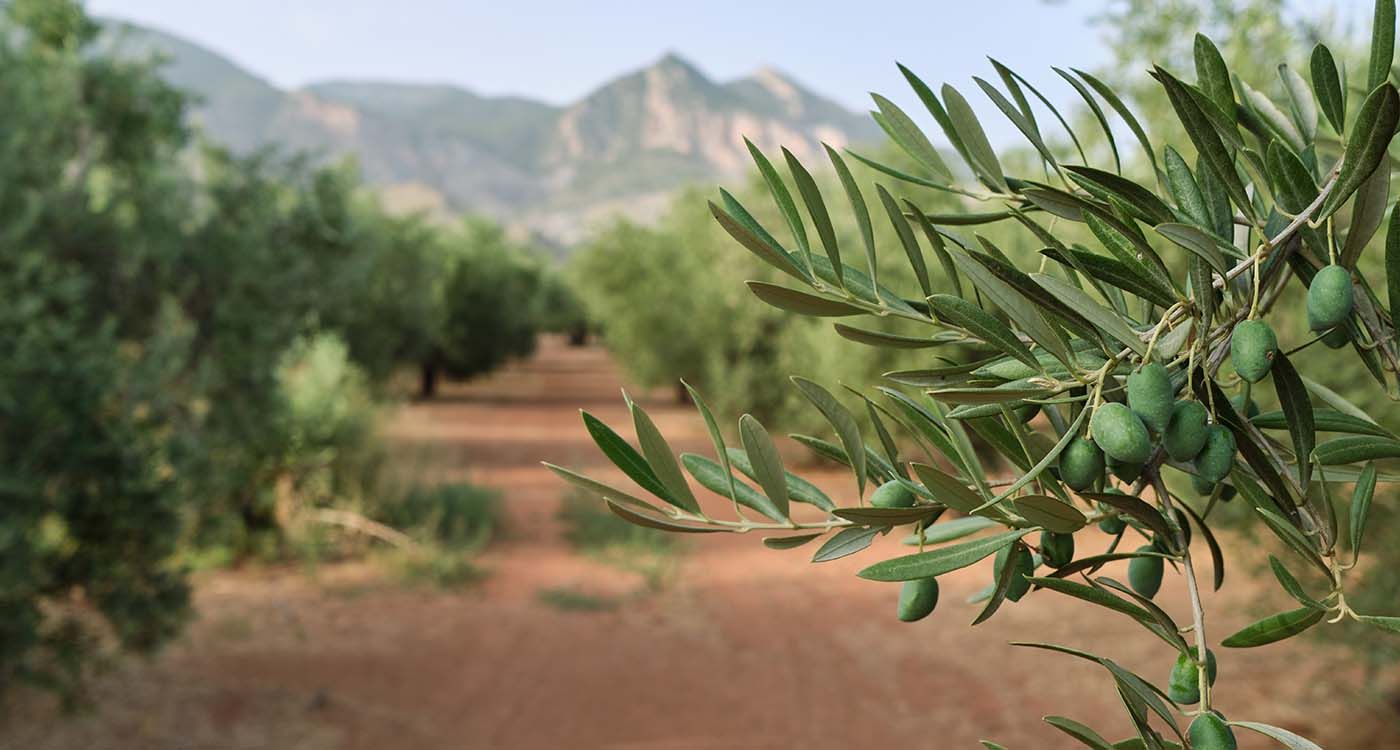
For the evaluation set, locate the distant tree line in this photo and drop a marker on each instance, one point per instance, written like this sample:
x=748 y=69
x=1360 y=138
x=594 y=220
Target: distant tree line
x=190 y=336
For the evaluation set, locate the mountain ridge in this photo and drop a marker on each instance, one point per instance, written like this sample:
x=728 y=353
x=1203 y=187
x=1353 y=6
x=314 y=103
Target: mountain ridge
x=550 y=169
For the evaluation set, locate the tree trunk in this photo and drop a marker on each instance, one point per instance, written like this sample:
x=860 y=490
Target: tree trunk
x=428 y=380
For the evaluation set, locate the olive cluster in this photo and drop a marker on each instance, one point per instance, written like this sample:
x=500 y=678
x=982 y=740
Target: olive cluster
x=1121 y=435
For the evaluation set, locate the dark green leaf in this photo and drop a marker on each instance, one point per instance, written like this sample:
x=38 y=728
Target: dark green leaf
x=1098 y=115
x=1290 y=584
x=1050 y=514
x=1094 y=595
x=1101 y=317
x=1367 y=213
x=1206 y=139
x=1212 y=76
x=1298 y=411
x=625 y=457
x=1084 y=734
x=1388 y=624
x=1382 y=44
x=1324 y=420
x=801 y=303
x=789 y=542
x=1144 y=513
x=657 y=522
x=1345 y=450
x=887 y=516
x=1371 y=134
x=1361 y=505
x=969 y=317
x=1018 y=118
x=1114 y=273
x=1144 y=204
x=1328 y=87
x=1116 y=102
x=1274 y=628
x=1291 y=536
x=1392 y=266
x=1014 y=304
x=1197 y=241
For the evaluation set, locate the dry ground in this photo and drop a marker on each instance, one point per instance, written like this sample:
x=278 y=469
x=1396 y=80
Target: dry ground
x=746 y=648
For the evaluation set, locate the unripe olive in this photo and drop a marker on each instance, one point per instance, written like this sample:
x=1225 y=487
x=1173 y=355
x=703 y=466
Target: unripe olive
x=1113 y=525
x=1330 y=298
x=1210 y=732
x=1185 y=435
x=1150 y=396
x=1248 y=408
x=1336 y=338
x=917 y=598
x=1218 y=457
x=1127 y=472
x=1145 y=573
x=1081 y=464
x=892 y=494
x=1057 y=549
x=1184 y=687
x=1205 y=487
x=1120 y=433
x=1253 y=347
x=1023 y=565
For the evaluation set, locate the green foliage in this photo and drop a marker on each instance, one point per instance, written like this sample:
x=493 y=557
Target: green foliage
x=1108 y=307
x=196 y=343
x=460 y=517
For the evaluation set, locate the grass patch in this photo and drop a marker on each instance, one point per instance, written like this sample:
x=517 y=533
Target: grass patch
x=593 y=530
x=572 y=600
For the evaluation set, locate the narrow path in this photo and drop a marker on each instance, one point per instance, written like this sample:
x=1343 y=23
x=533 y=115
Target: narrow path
x=749 y=648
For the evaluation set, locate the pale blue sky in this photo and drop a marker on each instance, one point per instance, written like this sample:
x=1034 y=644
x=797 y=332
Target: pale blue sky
x=558 y=50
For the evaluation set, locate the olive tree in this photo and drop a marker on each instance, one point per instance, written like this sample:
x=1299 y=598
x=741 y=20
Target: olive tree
x=1106 y=373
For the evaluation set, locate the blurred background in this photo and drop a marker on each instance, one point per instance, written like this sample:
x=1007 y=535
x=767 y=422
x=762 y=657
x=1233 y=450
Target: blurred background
x=296 y=295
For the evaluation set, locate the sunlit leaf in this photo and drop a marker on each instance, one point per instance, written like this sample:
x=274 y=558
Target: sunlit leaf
x=1361 y=505
x=847 y=541
x=910 y=138
x=715 y=479
x=1371 y=134
x=1050 y=514
x=841 y=421
x=816 y=208
x=626 y=458
x=1382 y=44
x=1274 y=628
x=801 y=303
x=979 y=149
x=1282 y=736
x=939 y=561
x=1328 y=87
x=1353 y=448
x=947 y=531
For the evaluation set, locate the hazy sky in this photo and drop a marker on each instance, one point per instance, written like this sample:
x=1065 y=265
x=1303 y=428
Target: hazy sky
x=558 y=50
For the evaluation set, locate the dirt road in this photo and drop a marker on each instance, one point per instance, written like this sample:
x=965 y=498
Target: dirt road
x=747 y=648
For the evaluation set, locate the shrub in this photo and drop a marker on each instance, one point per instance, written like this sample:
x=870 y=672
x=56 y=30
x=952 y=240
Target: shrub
x=1271 y=199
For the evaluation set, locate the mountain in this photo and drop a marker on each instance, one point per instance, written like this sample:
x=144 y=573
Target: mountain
x=622 y=149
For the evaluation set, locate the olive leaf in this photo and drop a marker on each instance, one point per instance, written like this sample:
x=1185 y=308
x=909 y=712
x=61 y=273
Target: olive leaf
x=842 y=421
x=1371 y=134
x=909 y=137
x=714 y=478
x=1361 y=505
x=661 y=459
x=766 y=463
x=1274 y=628
x=626 y=458
x=789 y=542
x=1282 y=736
x=801 y=303
x=847 y=541
x=1298 y=412
x=939 y=561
